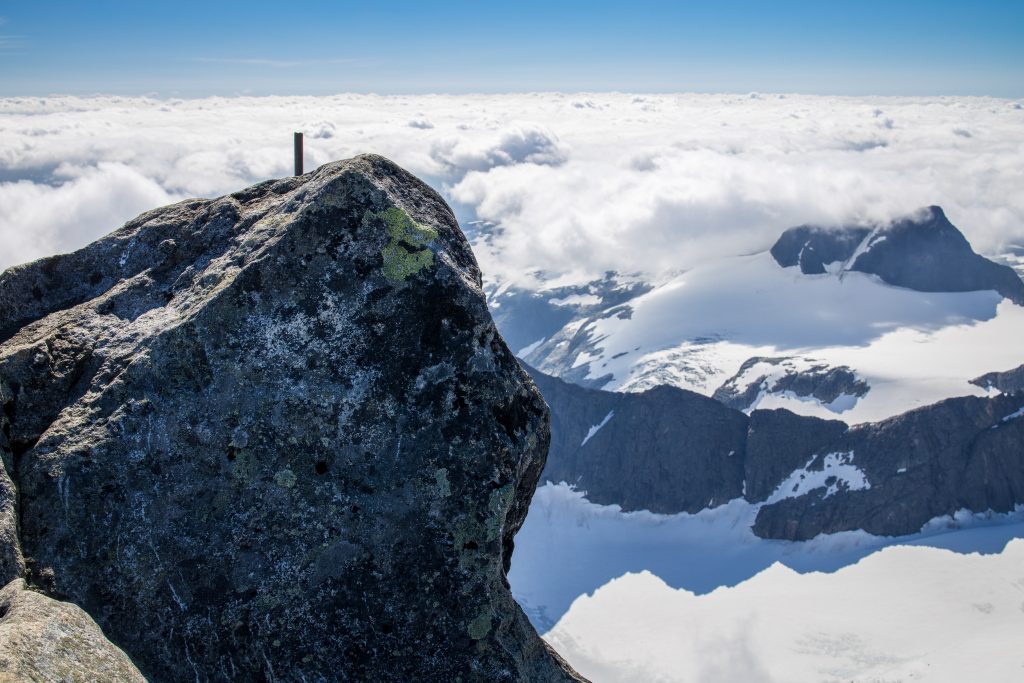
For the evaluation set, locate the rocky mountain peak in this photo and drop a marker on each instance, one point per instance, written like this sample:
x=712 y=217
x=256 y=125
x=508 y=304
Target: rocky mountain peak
x=275 y=436
x=923 y=251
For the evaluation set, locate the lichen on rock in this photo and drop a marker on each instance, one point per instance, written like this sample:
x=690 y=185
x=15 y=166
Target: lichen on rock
x=258 y=453
x=408 y=252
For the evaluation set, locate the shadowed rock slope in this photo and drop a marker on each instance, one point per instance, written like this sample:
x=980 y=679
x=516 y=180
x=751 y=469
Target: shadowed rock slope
x=275 y=436
x=668 y=450
x=924 y=252
x=1008 y=382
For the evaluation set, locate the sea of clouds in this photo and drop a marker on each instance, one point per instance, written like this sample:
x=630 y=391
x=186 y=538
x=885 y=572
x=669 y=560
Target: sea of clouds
x=570 y=185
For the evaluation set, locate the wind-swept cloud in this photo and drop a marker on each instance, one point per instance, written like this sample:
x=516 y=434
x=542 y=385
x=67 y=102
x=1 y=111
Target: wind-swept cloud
x=577 y=184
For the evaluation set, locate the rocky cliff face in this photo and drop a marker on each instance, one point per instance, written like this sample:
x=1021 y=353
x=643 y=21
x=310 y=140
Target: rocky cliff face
x=924 y=252
x=961 y=453
x=275 y=436
x=669 y=450
x=1008 y=382
x=804 y=378
x=664 y=450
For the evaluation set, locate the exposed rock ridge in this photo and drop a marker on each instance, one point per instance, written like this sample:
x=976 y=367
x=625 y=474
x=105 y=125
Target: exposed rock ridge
x=275 y=436
x=669 y=450
x=924 y=252
x=803 y=378
x=1008 y=382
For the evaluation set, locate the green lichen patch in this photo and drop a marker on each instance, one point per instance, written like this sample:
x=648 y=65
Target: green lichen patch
x=481 y=626
x=441 y=479
x=497 y=508
x=408 y=252
x=285 y=479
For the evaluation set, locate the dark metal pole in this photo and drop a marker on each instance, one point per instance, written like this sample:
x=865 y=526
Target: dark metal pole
x=298 y=154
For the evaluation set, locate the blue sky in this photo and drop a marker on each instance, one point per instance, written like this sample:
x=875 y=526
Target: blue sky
x=202 y=48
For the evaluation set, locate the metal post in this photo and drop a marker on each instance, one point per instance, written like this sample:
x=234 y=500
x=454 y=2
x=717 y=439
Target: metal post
x=298 y=154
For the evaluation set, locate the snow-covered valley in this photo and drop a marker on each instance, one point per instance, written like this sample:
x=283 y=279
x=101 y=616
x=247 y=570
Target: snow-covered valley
x=696 y=330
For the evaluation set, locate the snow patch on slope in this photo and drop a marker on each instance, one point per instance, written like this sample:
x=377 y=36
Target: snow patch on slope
x=528 y=349
x=1014 y=415
x=837 y=473
x=593 y=430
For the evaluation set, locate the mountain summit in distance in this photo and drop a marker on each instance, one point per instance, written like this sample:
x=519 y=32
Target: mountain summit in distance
x=924 y=252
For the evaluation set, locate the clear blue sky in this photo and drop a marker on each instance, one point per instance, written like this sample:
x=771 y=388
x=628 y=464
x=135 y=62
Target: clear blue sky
x=190 y=48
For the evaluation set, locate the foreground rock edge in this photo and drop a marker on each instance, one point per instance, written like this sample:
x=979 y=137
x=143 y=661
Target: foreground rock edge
x=114 y=357
x=46 y=640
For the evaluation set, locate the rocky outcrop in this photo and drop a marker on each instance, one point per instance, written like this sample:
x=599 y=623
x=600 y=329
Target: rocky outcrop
x=669 y=450
x=665 y=450
x=924 y=252
x=275 y=436
x=961 y=453
x=47 y=640
x=1008 y=382
x=835 y=387
x=779 y=442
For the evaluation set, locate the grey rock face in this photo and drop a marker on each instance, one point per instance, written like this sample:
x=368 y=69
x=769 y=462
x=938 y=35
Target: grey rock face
x=1009 y=382
x=669 y=450
x=812 y=247
x=779 y=442
x=275 y=436
x=960 y=453
x=926 y=253
x=819 y=381
x=665 y=450
x=46 y=640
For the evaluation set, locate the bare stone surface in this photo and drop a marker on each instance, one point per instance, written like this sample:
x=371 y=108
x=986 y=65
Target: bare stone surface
x=275 y=436
x=47 y=640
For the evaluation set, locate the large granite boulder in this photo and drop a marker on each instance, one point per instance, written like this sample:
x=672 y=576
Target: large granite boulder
x=275 y=436
x=46 y=640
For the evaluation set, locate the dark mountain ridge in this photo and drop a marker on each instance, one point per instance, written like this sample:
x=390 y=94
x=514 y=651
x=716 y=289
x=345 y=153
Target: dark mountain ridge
x=924 y=252
x=668 y=450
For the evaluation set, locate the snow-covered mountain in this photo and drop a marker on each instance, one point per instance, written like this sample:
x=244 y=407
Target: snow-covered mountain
x=690 y=511
x=668 y=450
x=881 y=320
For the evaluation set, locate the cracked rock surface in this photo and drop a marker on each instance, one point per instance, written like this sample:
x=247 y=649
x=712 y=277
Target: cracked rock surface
x=275 y=436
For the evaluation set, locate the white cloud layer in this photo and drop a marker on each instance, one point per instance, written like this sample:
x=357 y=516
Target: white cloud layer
x=578 y=184
x=641 y=597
